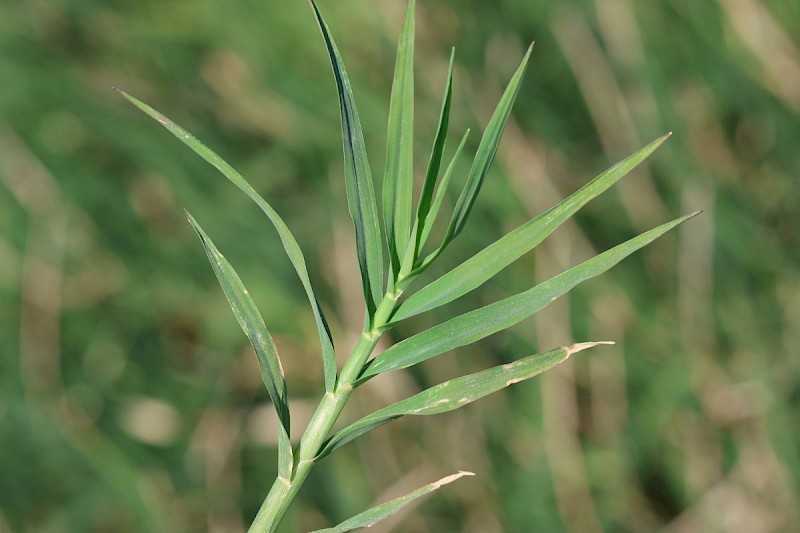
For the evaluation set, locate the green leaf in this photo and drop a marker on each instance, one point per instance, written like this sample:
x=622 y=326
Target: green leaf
x=486 y=152
x=374 y=515
x=289 y=242
x=419 y=267
x=398 y=180
x=358 y=179
x=480 y=323
x=251 y=322
x=437 y=204
x=456 y=393
x=482 y=266
x=427 y=195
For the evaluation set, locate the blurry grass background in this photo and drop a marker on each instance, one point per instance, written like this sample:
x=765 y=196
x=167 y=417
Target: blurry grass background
x=129 y=399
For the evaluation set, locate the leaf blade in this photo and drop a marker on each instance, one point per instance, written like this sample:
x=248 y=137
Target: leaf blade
x=456 y=393
x=482 y=266
x=375 y=514
x=426 y=199
x=399 y=175
x=487 y=149
x=251 y=322
x=290 y=244
x=358 y=178
x=480 y=323
x=437 y=204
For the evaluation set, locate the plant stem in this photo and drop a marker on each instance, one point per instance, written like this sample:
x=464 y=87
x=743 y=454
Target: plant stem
x=283 y=490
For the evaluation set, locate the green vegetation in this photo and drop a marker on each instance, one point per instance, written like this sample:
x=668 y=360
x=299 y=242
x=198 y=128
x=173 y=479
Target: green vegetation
x=130 y=401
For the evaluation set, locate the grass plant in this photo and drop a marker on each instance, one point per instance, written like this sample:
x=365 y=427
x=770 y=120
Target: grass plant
x=393 y=251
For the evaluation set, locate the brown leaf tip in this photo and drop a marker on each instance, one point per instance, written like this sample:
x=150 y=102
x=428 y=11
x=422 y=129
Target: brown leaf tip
x=449 y=479
x=581 y=346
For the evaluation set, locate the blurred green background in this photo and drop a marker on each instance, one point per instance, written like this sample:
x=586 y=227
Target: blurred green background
x=129 y=399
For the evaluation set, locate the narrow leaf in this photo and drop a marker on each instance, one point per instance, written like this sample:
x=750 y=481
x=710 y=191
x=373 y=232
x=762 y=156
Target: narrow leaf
x=398 y=180
x=456 y=393
x=480 y=323
x=440 y=192
x=251 y=322
x=482 y=266
x=289 y=242
x=358 y=179
x=374 y=515
x=486 y=152
x=411 y=269
x=426 y=196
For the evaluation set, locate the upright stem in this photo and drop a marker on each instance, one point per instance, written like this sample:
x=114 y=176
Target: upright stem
x=330 y=407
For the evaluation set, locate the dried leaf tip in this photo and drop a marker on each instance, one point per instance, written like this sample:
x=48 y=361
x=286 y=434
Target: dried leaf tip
x=451 y=478
x=581 y=346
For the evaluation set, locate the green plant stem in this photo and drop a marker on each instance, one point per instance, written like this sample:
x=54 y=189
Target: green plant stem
x=283 y=490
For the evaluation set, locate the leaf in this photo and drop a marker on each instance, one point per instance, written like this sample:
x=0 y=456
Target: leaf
x=398 y=180
x=419 y=267
x=456 y=393
x=480 y=323
x=486 y=152
x=437 y=204
x=289 y=242
x=482 y=266
x=426 y=196
x=358 y=179
x=374 y=515
x=251 y=322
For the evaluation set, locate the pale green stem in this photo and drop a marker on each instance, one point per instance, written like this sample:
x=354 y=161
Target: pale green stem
x=330 y=407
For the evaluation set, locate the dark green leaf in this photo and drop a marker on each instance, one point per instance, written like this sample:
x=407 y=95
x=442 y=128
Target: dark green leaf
x=358 y=179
